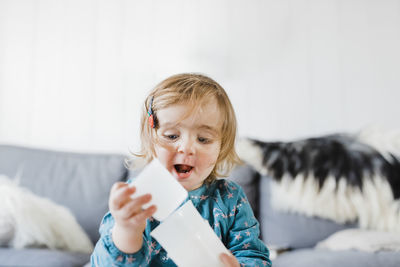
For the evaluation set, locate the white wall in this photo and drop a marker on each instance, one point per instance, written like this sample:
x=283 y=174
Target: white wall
x=73 y=74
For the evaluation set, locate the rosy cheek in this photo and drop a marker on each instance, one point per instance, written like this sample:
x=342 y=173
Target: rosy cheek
x=167 y=147
x=165 y=156
x=209 y=159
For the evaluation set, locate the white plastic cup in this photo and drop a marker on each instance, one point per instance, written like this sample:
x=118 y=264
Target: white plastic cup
x=167 y=193
x=188 y=239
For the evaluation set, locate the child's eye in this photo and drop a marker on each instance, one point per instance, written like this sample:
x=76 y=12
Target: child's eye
x=171 y=136
x=204 y=140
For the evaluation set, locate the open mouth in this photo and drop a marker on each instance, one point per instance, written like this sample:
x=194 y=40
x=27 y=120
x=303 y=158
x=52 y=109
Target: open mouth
x=181 y=168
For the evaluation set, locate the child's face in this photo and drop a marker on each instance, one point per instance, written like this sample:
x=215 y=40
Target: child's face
x=189 y=147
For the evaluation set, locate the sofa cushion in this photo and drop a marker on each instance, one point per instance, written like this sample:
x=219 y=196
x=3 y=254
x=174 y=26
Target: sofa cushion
x=78 y=181
x=327 y=258
x=42 y=258
x=282 y=229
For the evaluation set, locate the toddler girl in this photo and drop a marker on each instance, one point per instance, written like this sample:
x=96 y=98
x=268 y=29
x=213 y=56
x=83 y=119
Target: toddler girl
x=189 y=125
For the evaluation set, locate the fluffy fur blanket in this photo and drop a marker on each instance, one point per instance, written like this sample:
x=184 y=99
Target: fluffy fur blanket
x=27 y=220
x=362 y=240
x=341 y=177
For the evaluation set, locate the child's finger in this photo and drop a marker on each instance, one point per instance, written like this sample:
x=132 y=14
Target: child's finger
x=120 y=195
x=143 y=215
x=134 y=206
x=117 y=185
x=228 y=260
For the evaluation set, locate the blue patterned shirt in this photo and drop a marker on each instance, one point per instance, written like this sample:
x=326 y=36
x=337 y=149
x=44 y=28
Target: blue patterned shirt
x=223 y=203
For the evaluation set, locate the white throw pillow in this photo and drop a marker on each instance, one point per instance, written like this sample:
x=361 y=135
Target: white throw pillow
x=7 y=227
x=363 y=240
x=33 y=221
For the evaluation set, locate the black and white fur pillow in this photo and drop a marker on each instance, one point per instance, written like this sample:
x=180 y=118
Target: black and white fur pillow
x=341 y=177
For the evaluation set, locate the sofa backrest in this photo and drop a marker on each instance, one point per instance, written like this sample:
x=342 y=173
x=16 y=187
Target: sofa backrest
x=79 y=181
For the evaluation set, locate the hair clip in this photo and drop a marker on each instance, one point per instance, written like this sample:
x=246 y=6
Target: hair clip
x=151 y=115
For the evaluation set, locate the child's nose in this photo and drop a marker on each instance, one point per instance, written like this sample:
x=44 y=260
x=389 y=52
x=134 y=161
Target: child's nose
x=186 y=146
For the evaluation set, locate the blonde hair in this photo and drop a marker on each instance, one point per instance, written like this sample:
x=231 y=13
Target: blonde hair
x=194 y=89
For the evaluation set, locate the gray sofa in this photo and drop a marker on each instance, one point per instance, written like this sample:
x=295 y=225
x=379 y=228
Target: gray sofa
x=82 y=183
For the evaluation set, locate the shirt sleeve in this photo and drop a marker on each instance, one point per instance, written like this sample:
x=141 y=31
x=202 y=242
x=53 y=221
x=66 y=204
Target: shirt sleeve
x=107 y=254
x=243 y=238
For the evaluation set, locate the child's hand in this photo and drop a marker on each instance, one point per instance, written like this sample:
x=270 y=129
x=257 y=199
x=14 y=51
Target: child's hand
x=130 y=218
x=229 y=260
